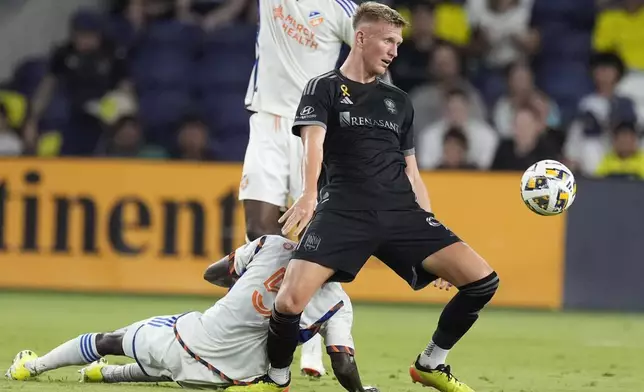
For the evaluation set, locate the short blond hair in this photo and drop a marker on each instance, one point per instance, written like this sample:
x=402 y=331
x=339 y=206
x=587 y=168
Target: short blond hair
x=371 y=11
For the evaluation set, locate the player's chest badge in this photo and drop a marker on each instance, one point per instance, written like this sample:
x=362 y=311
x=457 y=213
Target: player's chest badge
x=390 y=105
x=315 y=18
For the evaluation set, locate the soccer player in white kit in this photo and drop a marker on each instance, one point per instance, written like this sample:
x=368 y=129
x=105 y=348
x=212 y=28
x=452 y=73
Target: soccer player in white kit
x=225 y=346
x=296 y=41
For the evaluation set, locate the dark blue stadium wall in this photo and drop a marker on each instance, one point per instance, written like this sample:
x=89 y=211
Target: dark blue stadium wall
x=604 y=263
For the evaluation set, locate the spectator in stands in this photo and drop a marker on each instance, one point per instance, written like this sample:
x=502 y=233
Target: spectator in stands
x=126 y=140
x=455 y=149
x=626 y=159
x=501 y=36
x=529 y=144
x=447 y=73
x=10 y=143
x=521 y=92
x=86 y=68
x=620 y=30
x=414 y=54
x=589 y=136
x=482 y=137
x=500 y=31
x=193 y=141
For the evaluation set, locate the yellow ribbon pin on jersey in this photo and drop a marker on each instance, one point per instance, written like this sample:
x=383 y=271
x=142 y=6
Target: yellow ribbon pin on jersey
x=345 y=90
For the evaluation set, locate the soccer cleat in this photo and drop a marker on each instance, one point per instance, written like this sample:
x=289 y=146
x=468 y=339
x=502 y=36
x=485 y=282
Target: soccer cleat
x=440 y=378
x=93 y=372
x=18 y=371
x=262 y=384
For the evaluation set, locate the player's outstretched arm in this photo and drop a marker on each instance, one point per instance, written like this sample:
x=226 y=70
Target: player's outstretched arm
x=346 y=371
x=219 y=273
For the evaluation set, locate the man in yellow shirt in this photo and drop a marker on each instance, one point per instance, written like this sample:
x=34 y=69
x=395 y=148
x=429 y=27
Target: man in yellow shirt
x=622 y=30
x=626 y=160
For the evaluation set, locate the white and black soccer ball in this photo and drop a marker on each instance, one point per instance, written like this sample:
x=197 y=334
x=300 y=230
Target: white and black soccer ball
x=548 y=187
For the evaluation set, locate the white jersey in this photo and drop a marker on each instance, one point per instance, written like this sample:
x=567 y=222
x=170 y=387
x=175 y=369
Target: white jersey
x=232 y=334
x=296 y=41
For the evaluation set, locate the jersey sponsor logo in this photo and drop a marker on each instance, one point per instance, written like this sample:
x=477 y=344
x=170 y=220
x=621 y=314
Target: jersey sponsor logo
x=390 y=105
x=296 y=30
x=315 y=18
x=306 y=113
x=346 y=101
x=307 y=110
x=347 y=120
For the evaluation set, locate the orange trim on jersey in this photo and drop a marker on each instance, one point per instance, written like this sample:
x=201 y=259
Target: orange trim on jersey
x=260 y=245
x=202 y=361
x=276 y=124
x=231 y=263
x=340 y=349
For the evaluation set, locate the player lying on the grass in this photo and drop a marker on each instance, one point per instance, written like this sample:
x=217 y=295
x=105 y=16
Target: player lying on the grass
x=224 y=346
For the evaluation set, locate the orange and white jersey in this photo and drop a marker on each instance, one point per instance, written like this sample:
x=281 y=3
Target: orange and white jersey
x=232 y=334
x=297 y=40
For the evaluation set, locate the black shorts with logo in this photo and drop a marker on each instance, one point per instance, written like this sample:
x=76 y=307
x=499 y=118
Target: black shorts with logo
x=344 y=240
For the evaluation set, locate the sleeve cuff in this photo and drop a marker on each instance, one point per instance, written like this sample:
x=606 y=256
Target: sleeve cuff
x=297 y=125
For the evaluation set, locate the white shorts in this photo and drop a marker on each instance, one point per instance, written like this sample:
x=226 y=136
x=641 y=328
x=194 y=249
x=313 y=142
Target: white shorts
x=152 y=344
x=272 y=165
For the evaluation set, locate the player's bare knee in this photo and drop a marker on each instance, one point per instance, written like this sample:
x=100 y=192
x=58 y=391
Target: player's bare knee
x=109 y=344
x=288 y=302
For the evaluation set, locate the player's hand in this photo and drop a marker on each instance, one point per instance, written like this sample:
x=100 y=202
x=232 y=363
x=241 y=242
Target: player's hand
x=442 y=284
x=299 y=214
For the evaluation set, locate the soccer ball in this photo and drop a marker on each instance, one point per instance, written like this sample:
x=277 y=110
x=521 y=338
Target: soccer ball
x=548 y=187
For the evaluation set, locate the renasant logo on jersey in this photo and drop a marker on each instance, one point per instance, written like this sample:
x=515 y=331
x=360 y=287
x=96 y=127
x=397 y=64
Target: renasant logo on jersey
x=346 y=120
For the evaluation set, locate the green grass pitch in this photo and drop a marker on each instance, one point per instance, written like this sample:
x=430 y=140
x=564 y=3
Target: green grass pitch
x=509 y=351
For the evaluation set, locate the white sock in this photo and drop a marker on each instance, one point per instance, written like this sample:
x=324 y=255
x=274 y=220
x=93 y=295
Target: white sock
x=78 y=351
x=127 y=373
x=280 y=376
x=311 y=355
x=433 y=356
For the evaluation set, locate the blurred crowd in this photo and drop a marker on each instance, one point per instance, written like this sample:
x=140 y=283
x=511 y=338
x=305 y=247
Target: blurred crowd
x=496 y=84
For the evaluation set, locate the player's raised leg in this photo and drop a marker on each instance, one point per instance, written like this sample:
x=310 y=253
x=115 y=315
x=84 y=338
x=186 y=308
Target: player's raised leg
x=477 y=283
x=421 y=249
